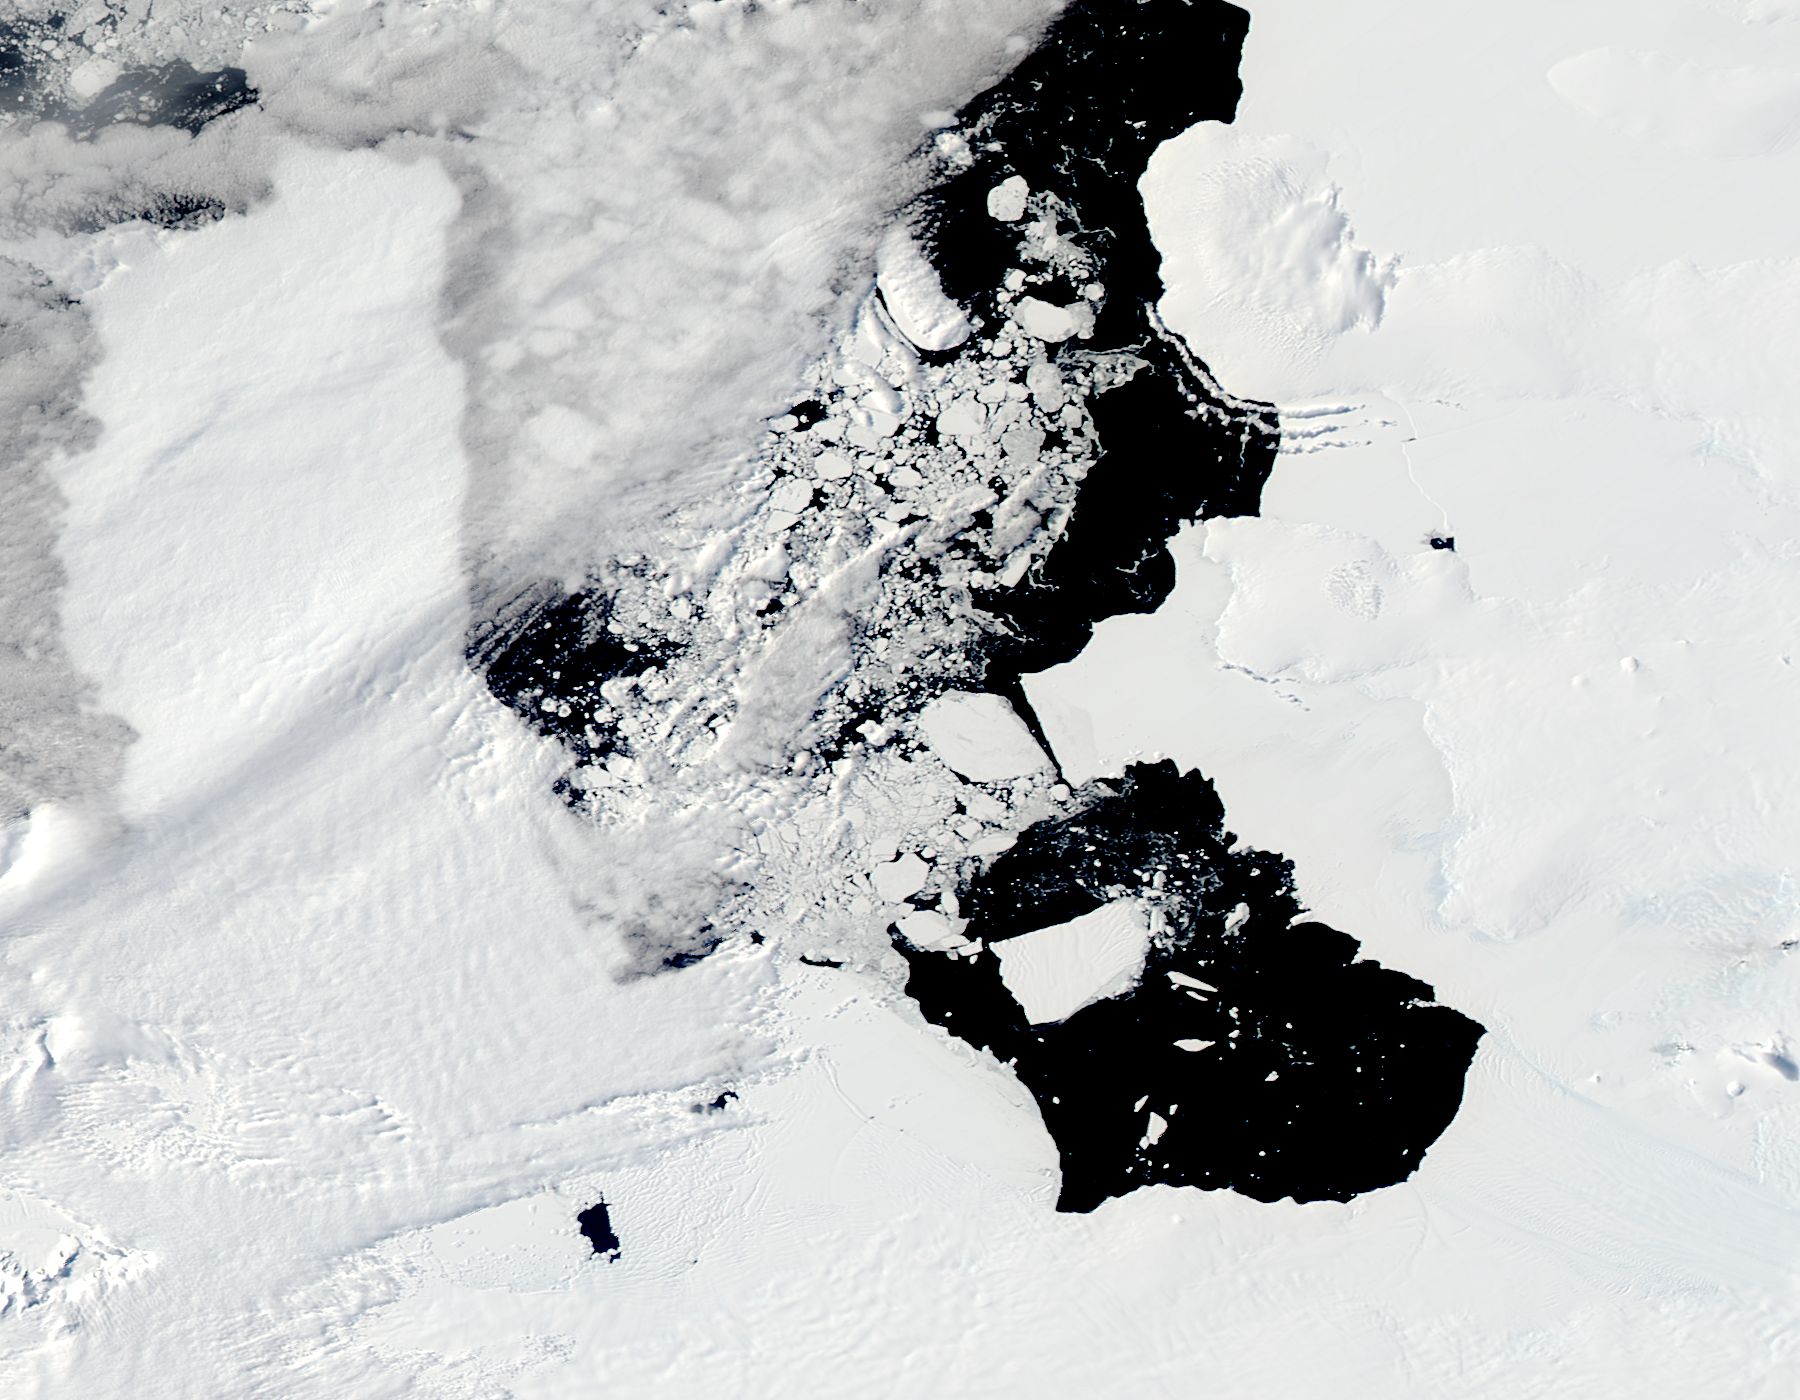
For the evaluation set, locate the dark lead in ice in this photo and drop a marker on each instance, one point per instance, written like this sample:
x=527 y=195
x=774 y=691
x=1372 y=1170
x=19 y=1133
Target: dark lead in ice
x=173 y=94
x=180 y=211
x=549 y=659
x=176 y=94
x=1278 y=1062
x=1078 y=120
x=807 y=413
x=596 y=1225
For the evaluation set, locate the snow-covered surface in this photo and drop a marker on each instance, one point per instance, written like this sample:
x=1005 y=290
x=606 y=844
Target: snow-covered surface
x=1550 y=771
x=1054 y=972
x=1517 y=748
x=320 y=1013
x=327 y=956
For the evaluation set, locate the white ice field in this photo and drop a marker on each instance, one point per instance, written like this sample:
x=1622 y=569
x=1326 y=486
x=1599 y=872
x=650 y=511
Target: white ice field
x=322 y=1015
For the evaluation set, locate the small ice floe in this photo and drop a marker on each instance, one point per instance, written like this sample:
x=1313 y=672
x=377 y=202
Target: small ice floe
x=933 y=931
x=981 y=737
x=900 y=879
x=1056 y=971
x=1006 y=201
x=915 y=297
x=1053 y=323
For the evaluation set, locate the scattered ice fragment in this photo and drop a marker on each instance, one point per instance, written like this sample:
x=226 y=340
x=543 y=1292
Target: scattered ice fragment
x=930 y=930
x=965 y=417
x=1056 y=971
x=900 y=879
x=1153 y=1132
x=1006 y=201
x=832 y=465
x=1046 y=384
x=1015 y=569
x=791 y=494
x=953 y=146
x=1023 y=441
x=980 y=737
x=1053 y=323
x=915 y=297
x=92 y=77
x=1194 y=1047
